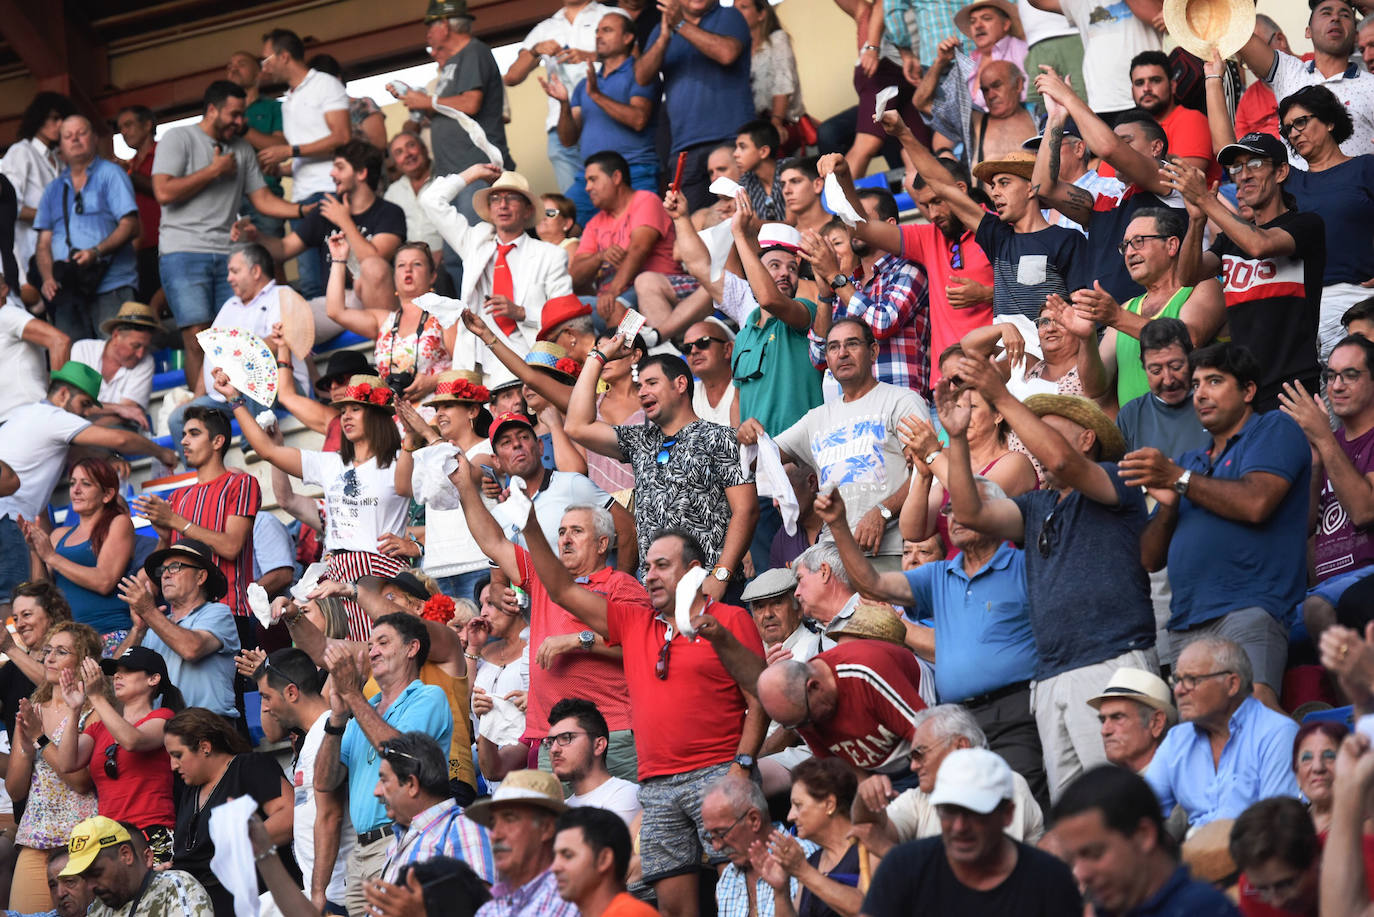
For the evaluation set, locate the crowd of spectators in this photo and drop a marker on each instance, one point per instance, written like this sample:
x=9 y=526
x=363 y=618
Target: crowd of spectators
x=721 y=530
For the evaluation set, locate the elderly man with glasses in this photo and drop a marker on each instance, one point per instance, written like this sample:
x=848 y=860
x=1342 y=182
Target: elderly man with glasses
x=1228 y=750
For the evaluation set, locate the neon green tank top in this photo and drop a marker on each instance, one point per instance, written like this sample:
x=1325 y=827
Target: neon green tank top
x=1131 y=381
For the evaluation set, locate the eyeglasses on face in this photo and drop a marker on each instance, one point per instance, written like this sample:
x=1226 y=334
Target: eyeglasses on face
x=1189 y=682
x=720 y=834
x=1136 y=243
x=919 y=752
x=1043 y=320
x=174 y=567
x=562 y=739
x=702 y=343
x=1253 y=166
x=1349 y=376
x=550 y=212
x=57 y=652
x=1296 y=126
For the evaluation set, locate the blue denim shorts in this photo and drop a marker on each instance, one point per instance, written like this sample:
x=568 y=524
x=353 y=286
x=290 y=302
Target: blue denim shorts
x=14 y=558
x=196 y=284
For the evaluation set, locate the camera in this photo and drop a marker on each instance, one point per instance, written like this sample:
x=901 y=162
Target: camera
x=399 y=382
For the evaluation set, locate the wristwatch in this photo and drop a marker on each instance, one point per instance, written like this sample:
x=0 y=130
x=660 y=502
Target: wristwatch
x=839 y=281
x=745 y=761
x=1181 y=485
x=884 y=512
x=586 y=639
x=721 y=573
x=296 y=150
x=331 y=730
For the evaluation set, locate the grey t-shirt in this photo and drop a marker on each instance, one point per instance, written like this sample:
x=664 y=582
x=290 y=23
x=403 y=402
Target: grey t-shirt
x=201 y=223
x=853 y=446
x=1172 y=429
x=1089 y=595
x=471 y=68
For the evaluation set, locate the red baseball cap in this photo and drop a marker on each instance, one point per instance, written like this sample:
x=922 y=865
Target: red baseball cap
x=558 y=310
x=504 y=420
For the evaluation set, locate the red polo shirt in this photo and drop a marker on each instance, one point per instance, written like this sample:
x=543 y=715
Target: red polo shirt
x=599 y=679
x=928 y=247
x=693 y=718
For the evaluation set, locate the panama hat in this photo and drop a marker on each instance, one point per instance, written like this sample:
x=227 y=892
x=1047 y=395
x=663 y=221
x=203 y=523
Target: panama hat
x=509 y=181
x=1202 y=26
x=524 y=788
x=962 y=19
x=872 y=621
x=135 y=314
x=1140 y=686
x=1087 y=415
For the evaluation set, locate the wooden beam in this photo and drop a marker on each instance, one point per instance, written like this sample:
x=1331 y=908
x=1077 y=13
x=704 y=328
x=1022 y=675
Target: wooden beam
x=62 y=54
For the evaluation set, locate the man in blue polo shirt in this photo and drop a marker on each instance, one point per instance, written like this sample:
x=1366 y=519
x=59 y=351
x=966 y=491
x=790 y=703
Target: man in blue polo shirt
x=1232 y=518
x=358 y=726
x=982 y=627
x=702 y=50
x=610 y=111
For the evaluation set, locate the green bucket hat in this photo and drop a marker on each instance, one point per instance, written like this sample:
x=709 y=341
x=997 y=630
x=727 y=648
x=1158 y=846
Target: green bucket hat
x=446 y=9
x=81 y=377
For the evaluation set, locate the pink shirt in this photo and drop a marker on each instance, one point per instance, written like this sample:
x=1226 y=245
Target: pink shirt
x=1009 y=48
x=645 y=209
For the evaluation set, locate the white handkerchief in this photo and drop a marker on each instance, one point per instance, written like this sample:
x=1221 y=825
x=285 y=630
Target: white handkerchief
x=1028 y=331
x=445 y=310
x=885 y=95
x=232 y=863
x=430 y=479
x=260 y=604
x=725 y=187
x=687 y=589
x=771 y=479
x=832 y=195
x=474 y=132
x=514 y=514
x=266 y=419
x=309 y=580
x=719 y=240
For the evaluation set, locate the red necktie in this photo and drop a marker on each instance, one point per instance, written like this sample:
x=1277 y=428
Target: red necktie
x=502 y=285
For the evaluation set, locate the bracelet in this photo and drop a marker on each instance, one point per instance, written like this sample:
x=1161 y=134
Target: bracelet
x=1212 y=76
x=598 y=354
x=187 y=527
x=338 y=260
x=282 y=364
x=300 y=211
x=873 y=48
x=930 y=459
x=269 y=852
x=473 y=656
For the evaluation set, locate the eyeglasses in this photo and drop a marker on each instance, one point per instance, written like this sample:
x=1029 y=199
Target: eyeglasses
x=80 y=205
x=1348 y=376
x=1252 y=166
x=1044 y=320
x=562 y=740
x=847 y=344
x=59 y=652
x=720 y=834
x=505 y=198
x=174 y=567
x=111 y=765
x=267 y=666
x=1136 y=243
x=388 y=752
x=1189 y=682
x=806 y=707
x=665 y=452
x=551 y=212
x=956 y=257
x=1049 y=535
x=918 y=753
x=702 y=343
x=661 y=666
x=1296 y=126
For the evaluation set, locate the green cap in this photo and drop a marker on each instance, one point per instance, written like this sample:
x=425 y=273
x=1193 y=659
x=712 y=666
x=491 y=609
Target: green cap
x=446 y=9
x=81 y=377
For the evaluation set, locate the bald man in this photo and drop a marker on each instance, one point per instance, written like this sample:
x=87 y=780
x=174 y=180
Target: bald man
x=1006 y=124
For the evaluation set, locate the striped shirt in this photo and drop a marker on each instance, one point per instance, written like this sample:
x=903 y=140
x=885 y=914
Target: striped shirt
x=209 y=505
x=894 y=301
x=536 y=898
x=440 y=830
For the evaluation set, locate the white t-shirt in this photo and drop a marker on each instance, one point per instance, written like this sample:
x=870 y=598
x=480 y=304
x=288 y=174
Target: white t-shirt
x=134 y=385
x=1112 y=35
x=720 y=413
x=913 y=817
x=33 y=442
x=258 y=315
x=505 y=723
x=303 y=825
x=618 y=795
x=450 y=548
x=1040 y=25
x=302 y=121
x=361 y=502
x=853 y=446
x=26 y=372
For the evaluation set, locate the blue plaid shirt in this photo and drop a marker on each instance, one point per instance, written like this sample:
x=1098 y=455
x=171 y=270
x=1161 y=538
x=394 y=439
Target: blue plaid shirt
x=536 y=898
x=440 y=830
x=732 y=890
x=895 y=303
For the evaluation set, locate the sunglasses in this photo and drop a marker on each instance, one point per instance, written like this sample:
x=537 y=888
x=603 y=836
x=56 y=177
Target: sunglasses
x=702 y=343
x=1049 y=535
x=111 y=764
x=665 y=452
x=956 y=258
x=661 y=666
x=80 y=205
x=550 y=212
x=267 y=666
x=390 y=753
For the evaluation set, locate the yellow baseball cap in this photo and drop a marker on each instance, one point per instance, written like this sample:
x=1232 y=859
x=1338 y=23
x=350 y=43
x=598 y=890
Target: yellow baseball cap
x=88 y=839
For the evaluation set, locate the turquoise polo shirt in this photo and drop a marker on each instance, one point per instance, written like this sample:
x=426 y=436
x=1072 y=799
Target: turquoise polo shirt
x=420 y=708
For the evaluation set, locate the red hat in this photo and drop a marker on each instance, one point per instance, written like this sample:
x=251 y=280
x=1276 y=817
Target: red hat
x=505 y=420
x=558 y=310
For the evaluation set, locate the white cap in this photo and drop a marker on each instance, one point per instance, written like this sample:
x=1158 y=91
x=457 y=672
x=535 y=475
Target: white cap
x=779 y=235
x=973 y=778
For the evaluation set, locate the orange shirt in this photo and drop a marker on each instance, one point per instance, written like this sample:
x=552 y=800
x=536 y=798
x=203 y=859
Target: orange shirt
x=627 y=905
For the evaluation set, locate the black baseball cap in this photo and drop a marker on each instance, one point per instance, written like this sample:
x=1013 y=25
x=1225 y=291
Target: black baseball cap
x=343 y=364
x=410 y=584
x=1266 y=145
x=1070 y=130
x=138 y=659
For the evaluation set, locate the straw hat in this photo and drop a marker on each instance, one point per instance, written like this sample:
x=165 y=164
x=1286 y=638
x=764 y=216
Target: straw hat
x=526 y=788
x=1087 y=415
x=1140 y=686
x=554 y=360
x=369 y=390
x=1018 y=162
x=509 y=181
x=459 y=386
x=132 y=313
x=1200 y=26
x=963 y=17
x=872 y=621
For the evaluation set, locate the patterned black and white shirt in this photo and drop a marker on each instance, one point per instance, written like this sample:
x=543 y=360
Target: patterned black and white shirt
x=680 y=481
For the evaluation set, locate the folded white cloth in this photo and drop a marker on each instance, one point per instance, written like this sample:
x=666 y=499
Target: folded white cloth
x=687 y=589
x=474 y=132
x=719 y=240
x=260 y=604
x=885 y=95
x=232 y=863
x=725 y=187
x=771 y=479
x=514 y=514
x=446 y=311
x=835 y=201
x=430 y=479
x=308 y=581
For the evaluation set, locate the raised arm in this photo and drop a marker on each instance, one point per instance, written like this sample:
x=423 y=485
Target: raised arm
x=125 y=442
x=547 y=387
x=877 y=233
x=691 y=250
x=283 y=457
x=583 y=604
x=1219 y=118
x=363 y=322
x=883 y=587
x=483 y=527
x=581 y=424
x=1257 y=54
x=1074 y=202
x=1000 y=518
x=969 y=212
x=1343 y=868
x=1255 y=241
